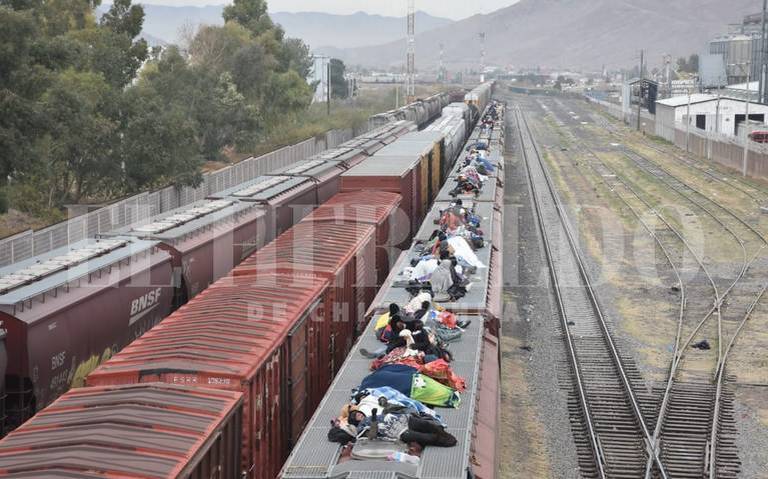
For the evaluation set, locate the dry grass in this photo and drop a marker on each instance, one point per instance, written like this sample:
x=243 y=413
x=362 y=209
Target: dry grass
x=523 y=438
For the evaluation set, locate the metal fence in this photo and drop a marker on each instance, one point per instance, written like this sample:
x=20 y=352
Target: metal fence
x=145 y=205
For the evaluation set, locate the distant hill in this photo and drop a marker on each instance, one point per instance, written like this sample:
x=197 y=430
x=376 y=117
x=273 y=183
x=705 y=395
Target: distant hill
x=348 y=31
x=316 y=29
x=569 y=33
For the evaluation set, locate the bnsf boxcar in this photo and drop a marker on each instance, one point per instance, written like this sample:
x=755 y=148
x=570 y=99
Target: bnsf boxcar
x=289 y=198
x=153 y=431
x=70 y=309
x=210 y=236
x=277 y=329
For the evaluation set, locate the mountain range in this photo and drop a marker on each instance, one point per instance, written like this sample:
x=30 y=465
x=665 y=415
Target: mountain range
x=162 y=24
x=567 y=33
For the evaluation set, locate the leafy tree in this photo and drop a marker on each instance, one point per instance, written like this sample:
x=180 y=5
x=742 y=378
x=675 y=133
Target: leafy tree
x=295 y=56
x=251 y=14
x=81 y=136
x=214 y=47
x=158 y=145
x=339 y=88
x=114 y=55
x=225 y=117
x=250 y=68
x=289 y=94
x=124 y=18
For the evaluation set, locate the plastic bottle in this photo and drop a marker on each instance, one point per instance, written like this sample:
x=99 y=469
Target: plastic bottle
x=403 y=457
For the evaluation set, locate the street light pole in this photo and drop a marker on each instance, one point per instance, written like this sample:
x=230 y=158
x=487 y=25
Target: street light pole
x=688 y=123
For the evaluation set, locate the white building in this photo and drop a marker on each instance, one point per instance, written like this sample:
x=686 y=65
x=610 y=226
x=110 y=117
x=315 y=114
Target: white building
x=707 y=112
x=319 y=74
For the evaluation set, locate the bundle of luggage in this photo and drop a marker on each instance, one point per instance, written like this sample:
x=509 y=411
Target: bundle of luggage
x=390 y=414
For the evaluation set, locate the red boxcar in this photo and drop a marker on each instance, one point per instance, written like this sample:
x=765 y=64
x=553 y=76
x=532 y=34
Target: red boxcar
x=70 y=309
x=341 y=252
x=395 y=175
x=153 y=431
x=210 y=236
x=276 y=330
x=289 y=199
x=267 y=340
x=378 y=208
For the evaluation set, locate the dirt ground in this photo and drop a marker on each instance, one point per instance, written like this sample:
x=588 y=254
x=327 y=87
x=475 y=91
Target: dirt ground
x=635 y=280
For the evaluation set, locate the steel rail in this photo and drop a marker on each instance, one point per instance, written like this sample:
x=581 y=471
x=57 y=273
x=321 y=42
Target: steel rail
x=680 y=352
x=522 y=122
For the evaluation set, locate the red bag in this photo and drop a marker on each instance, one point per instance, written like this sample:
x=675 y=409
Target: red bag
x=441 y=372
x=448 y=319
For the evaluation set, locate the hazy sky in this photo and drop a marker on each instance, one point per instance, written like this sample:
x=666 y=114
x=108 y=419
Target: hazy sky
x=445 y=8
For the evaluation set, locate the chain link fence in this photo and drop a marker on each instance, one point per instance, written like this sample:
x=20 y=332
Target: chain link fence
x=145 y=205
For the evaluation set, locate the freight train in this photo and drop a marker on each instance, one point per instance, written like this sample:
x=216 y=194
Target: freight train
x=325 y=269
x=419 y=112
x=48 y=341
x=68 y=310
x=475 y=356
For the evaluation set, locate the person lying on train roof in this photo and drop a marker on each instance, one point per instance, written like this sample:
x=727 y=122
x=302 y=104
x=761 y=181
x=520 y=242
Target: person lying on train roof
x=387 y=400
x=403 y=426
x=434 y=319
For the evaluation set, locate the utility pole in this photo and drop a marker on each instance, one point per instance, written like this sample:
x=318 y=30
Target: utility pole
x=410 y=76
x=328 y=90
x=668 y=66
x=746 y=124
x=688 y=123
x=761 y=95
x=441 y=69
x=482 y=57
x=640 y=92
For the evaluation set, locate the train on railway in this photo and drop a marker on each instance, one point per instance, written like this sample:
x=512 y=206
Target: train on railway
x=294 y=307
x=419 y=112
x=132 y=278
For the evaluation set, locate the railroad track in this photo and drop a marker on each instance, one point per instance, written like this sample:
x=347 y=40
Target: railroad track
x=694 y=425
x=757 y=195
x=688 y=406
x=612 y=436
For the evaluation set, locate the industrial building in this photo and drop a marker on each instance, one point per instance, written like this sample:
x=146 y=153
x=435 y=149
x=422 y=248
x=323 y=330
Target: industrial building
x=319 y=76
x=740 y=50
x=706 y=112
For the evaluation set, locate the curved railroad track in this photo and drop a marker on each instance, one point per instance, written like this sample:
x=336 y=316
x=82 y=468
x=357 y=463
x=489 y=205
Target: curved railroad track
x=614 y=428
x=690 y=444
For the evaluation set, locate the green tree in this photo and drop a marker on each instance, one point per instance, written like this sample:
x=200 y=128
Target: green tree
x=124 y=18
x=251 y=66
x=214 y=47
x=289 y=95
x=251 y=14
x=339 y=88
x=158 y=143
x=81 y=136
x=295 y=56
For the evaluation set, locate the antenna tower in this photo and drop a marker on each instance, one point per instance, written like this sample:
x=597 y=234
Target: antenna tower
x=482 y=57
x=410 y=76
x=441 y=70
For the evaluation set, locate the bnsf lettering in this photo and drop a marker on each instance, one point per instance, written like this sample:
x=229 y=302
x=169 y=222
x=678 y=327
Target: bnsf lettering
x=57 y=360
x=150 y=299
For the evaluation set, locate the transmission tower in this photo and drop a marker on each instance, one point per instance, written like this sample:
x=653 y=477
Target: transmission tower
x=482 y=57
x=410 y=76
x=441 y=70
